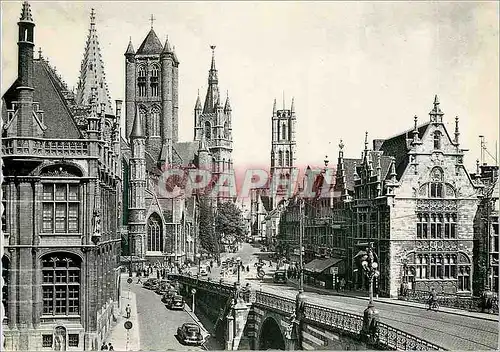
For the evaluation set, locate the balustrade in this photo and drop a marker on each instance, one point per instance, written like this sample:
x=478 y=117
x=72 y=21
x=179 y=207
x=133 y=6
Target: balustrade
x=282 y=304
x=44 y=147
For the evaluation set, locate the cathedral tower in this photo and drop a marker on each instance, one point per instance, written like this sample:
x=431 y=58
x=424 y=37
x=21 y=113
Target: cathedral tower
x=282 y=145
x=214 y=123
x=151 y=89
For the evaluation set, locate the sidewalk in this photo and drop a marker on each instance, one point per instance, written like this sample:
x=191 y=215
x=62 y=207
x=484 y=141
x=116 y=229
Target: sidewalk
x=121 y=338
x=362 y=295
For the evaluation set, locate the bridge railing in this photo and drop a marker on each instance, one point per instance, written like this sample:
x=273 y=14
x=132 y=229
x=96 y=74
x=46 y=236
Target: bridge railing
x=224 y=288
x=393 y=338
x=281 y=304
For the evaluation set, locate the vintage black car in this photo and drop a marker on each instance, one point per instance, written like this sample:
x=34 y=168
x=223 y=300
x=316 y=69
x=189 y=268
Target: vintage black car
x=176 y=302
x=150 y=284
x=190 y=334
x=280 y=277
x=162 y=287
x=167 y=296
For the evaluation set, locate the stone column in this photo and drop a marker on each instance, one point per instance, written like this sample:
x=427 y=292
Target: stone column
x=240 y=313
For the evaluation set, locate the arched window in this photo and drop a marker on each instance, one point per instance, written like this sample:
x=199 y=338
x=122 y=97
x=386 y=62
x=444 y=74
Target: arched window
x=154 y=81
x=208 y=130
x=421 y=267
x=287 y=158
x=437 y=140
x=5 y=284
x=280 y=158
x=155 y=238
x=283 y=131
x=436 y=183
x=61 y=284
x=141 y=81
x=463 y=278
x=154 y=130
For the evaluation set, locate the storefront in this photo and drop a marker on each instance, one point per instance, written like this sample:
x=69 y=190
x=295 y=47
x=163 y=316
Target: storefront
x=325 y=273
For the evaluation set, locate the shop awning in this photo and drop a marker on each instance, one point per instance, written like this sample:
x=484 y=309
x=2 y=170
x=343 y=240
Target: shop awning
x=319 y=265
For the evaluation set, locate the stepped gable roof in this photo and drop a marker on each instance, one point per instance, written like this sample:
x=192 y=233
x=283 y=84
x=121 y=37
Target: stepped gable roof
x=184 y=153
x=151 y=45
x=55 y=100
x=398 y=147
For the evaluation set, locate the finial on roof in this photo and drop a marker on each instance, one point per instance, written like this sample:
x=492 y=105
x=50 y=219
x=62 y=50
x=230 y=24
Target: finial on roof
x=26 y=12
x=197 y=105
x=326 y=161
x=166 y=47
x=478 y=169
x=393 y=169
x=92 y=18
x=436 y=100
x=227 y=105
x=212 y=67
x=436 y=114
x=152 y=19
x=366 y=140
x=274 y=107
x=457 y=131
x=341 y=145
x=40 y=53
x=130 y=48
x=292 y=108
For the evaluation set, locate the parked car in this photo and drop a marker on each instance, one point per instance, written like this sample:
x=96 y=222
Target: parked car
x=190 y=333
x=150 y=283
x=162 y=287
x=280 y=277
x=176 y=302
x=167 y=296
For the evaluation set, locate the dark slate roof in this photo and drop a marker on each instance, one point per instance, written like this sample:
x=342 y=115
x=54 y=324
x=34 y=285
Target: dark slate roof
x=349 y=172
x=397 y=147
x=184 y=152
x=385 y=162
x=150 y=45
x=54 y=100
x=151 y=164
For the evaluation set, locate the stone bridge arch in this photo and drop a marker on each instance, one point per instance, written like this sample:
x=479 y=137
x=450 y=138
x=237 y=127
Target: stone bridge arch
x=270 y=336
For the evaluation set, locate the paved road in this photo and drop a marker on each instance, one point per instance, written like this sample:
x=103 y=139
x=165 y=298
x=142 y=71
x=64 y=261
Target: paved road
x=157 y=324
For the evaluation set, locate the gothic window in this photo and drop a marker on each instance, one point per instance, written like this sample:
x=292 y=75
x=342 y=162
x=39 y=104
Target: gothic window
x=421 y=267
x=61 y=284
x=422 y=226
x=5 y=285
x=155 y=240
x=287 y=158
x=154 y=130
x=280 y=158
x=437 y=140
x=450 y=226
x=208 y=130
x=154 y=81
x=141 y=81
x=226 y=130
x=450 y=268
x=283 y=131
x=436 y=183
x=463 y=278
x=60 y=208
x=4 y=207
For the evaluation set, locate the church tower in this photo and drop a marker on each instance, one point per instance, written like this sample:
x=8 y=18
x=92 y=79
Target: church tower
x=151 y=89
x=282 y=146
x=92 y=73
x=213 y=122
x=137 y=206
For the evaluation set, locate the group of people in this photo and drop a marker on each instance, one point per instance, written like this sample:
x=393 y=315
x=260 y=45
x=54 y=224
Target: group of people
x=108 y=347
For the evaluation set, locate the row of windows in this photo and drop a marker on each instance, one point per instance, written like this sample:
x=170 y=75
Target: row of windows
x=287 y=161
x=48 y=340
x=443 y=267
x=142 y=89
x=208 y=131
x=60 y=208
x=437 y=226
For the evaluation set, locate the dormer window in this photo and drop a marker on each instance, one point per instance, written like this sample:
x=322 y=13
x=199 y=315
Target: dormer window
x=437 y=140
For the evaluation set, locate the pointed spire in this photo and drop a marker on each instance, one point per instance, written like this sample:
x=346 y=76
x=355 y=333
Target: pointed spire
x=197 y=106
x=436 y=114
x=130 y=48
x=26 y=12
x=292 y=108
x=175 y=55
x=212 y=99
x=227 y=105
x=365 y=151
x=137 y=128
x=393 y=169
x=166 y=48
x=274 y=107
x=415 y=129
x=356 y=176
x=92 y=72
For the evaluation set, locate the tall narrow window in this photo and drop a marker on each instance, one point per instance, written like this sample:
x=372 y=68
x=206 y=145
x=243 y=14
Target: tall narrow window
x=4 y=204
x=60 y=208
x=226 y=130
x=154 y=81
x=154 y=130
x=208 y=130
x=155 y=240
x=464 y=278
x=283 y=131
x=61 y=284
x=287 y=158
x=5 y=277
x=280 y=158
x=436 y=190
x=141 y=81
x=437 y=140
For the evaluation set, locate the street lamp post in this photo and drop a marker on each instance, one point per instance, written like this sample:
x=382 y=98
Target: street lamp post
x=371 y=314
x=198 y=256
x=238 y=260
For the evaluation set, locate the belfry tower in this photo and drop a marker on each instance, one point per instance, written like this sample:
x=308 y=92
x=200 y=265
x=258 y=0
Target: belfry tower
x=283 y=147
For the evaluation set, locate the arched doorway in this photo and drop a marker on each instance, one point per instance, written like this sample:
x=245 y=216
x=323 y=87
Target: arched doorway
x=270 y=337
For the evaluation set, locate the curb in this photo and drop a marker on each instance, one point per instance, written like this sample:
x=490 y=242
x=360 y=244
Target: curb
x=490 y=317
x=187 y=309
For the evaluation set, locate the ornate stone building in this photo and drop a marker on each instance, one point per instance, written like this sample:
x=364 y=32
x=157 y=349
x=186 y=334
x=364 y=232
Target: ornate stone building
x=162 y=228
x=61 y=193
x=416 y=202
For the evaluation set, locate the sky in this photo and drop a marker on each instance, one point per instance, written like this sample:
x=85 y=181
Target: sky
x=350 y=66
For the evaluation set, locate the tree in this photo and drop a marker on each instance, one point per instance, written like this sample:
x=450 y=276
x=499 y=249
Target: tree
x=207 y=238
x=229 y=221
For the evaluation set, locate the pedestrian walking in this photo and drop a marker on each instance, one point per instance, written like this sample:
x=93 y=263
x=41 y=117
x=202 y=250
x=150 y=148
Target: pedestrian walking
x=128 y=310
x=248 y=269
x=111 y=348
x=104 y=347
x=158 y=274
x=342 y=284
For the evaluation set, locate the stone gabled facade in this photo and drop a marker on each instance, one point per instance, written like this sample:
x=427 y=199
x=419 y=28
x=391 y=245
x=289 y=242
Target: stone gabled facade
x=61 y=196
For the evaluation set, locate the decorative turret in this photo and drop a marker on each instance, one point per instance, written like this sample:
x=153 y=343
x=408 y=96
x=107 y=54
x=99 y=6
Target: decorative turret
x=227 y=105
x=92 y=72
x=436 y=115
x=213 y=89
x=130 y=48
x=138 y=127
x=415 y=131
x=274 y=107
